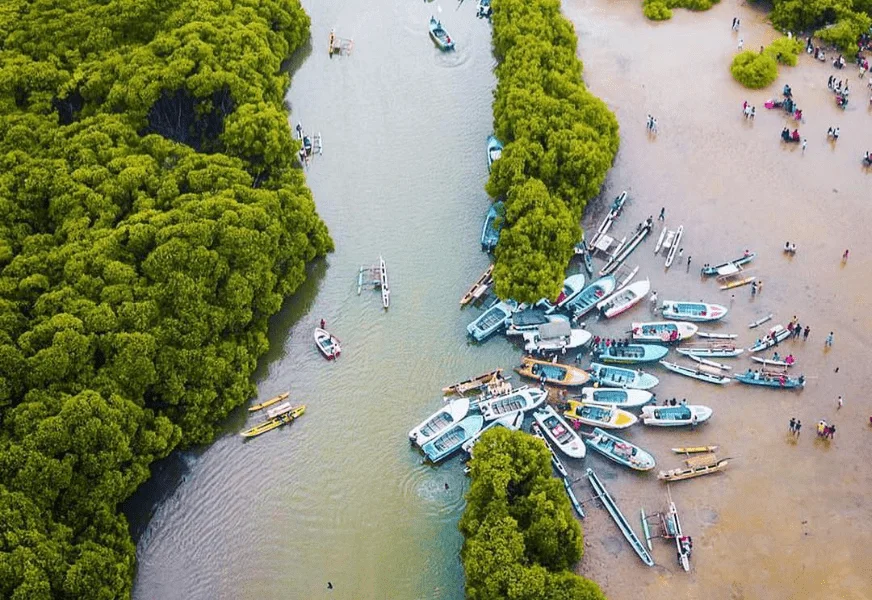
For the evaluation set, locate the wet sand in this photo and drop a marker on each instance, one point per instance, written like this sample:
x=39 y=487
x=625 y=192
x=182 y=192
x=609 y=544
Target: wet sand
x=790 y=518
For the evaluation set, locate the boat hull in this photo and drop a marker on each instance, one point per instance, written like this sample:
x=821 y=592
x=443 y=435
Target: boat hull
x=555 y=373
x=587 y=299
x=632 y=354
x=663 y=331
x=620 y=451
x=693 y=311
x=675 y=416
x=558 y=432
x=621 y=377
x=452 y=440
x=437 y=423
x=622 y=398
x=696 y=373
x=606 y=416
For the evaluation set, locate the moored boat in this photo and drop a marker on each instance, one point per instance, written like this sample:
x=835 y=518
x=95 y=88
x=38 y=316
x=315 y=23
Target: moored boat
x=559 y=432
x=663 y=331
x=630 y=354
x=494 y=151
x=276 y=417
x=493 y=319
x=717 y=336
x=553 y=373
x=716 y=350
x=536 y=431
x=774 y=362
x=572 y=287
x=451 y=440
x=493 y=225
x=473 y=383
x=519 y=400
x=773 y=380
x=624 y=299
x=270 y=402
x=708 y=464
x=776 y=334
x=328 y=344
x=616 y=396
x=729 y=267
x=530 y=319
x=620 y=451
x=478 y=288
x=558 y=336
x=697 y=372
x=675 y=416
x=438 y=422
x=693 y=311
x=694 y=449
x=607 y=416
x=586 y=300
x=711 y=363
x=511 y=422
x=621 y=377
x=439 y=35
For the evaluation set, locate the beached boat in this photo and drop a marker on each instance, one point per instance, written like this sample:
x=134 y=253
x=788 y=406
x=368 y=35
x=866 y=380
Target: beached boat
x=773 y=362
x=694 y=449
x=521 y=400
x=760 y=321
x=621 y=377
x=730 y=267
x=493 y=224
x=663 y=331
x=711 y=363
x=511 y=422
x=606 y=416
x=328 y=344
x=554 y=373
x=620 y=451
x=697 y=372
x=439 y=35
x=673 y=245
x=776 y=334
x=717 y=336
x=556 y=430
x=692 y=311
x=536 y=431
x=630 y=354
x=708 y=464
x=615 y=396
x=675 y=416
x=572 y=287
x=567 y=485
x=585 y=301
x=479 y=288
x=600 y=492
x=492 y=320
x=558 y=336
x=737 y=282
x=270 y=402
x=276 y=417
x=452 y=439
x=494 y=151
x=473 y=383
x=773 y=380
x=434 y=425
x=530 y=319
x=624 y=299
x=716 y=350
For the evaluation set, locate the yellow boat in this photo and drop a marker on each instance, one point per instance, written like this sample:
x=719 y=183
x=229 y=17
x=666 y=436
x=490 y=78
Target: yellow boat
x=277 y=420
x=554 y=373
x=606 y=416
x=269 y=402
x=694 y=449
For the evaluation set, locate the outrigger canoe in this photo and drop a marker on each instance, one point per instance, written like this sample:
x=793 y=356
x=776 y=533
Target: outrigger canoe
x=270 y=402
x=599 y=415
x=693 y=311
x=776 y=334
x=706 y=465
x=697 y=372
x=730 y=267
x=554 y=373
x=631 y=353
x=617 y=397
x=621 y=377
x=716 y=350
x=276 y=417
x=663 y=331
x=624 y=299
x=587 y=299
x=620 y=451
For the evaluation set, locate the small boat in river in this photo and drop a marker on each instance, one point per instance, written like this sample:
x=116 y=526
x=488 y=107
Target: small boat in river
x=624 y=299
x=620 y=451
x=440 y=36
x=694 y=449
x=492 y=320
x=607 y=416
x=616 y=396
x=699 y=372
x=630 y=354
x=600 y=492
x=693 y=311
x=494 y=151
x=270 y=402
x=587 y=299
x=559 y=432
x=276 y=417
x=675 y=416
x=328 y=344
x=493 y=224
x=452 y=439
x=530 y=319
x=663 y=331
x=478 y=288
x=554 y=373
x=776 y=334
x=729 y=268
x=558 y=336
x=621 y=377
x=521 y=400
x=438 y=422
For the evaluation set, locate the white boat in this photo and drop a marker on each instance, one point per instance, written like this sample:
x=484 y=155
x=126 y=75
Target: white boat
x=711 y=363
x=559 y=432
x=519 y=400
x=700 y=372
x=328 y=344
x=776 y=334
x=624 y=398
x=692 y=311
x=711 y=350
x=555 y=337
x=510 y=422
x=607 y=416
x=771 y=362
x=572 y=287
x=383 y=277
x=438 y=422
x=674 y=245
x=675 y=416
x=663 y=331
x=624 y=299
x=530 y=319
x=536 y=431
x=451 y=440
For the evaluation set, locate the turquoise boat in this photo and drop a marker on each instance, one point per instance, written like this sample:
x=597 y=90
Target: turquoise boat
x=620 y=451
x=439 y=35
x=449 y=442
x=587 y=299
x=773 y=380
x=630 y=354
x=621 y=377
x=493 y=224
x=491 y=320
x=692 y=311
x=494 y=151
x=618 y=397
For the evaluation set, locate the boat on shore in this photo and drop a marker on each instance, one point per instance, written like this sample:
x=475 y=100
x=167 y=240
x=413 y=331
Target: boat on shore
x=479 y=288
x=511 y=422
x=773 y=362
x=717 y=336
x=553 y=373
x=630 y=354
x=621 y=377
x=717 y=350
x=327 y=343
x=558 y=336
x=607 y=416
x=270 y=402
x=556 y=430
x=520 y=400
x=434 y=425
x=491 y=320
x=694 y=449
x=473 y=383
x=663 y=331
x=770 y=379
x=494 y=151
x=710 y=363
x=675 y=416
x=703 y=465
x=760 y=321
x=529 y=320
x=730 y=267
x=587 y=299
x=697 y=372
x=624 y=299
x=276 y=417
x=572 y=287
x=440 y=36
x=619 y=450
x=600 y=492
x=536 y=431
x=493 y=225
x=616 y=396
x=451 y=440
x=773 y=337
x=692 y=311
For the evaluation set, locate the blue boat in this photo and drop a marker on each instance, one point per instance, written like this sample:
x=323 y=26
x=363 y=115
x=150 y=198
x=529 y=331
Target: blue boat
x=586 y=300
x=621 y=377
x=493 y=319
x=630 y=354
x=493 y=224
x=440 y=36
x=452 y=440
x=494 y=151
x=768 y=379
x=619 y=450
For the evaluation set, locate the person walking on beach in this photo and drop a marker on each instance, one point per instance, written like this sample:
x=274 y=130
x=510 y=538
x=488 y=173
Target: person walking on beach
x=830 y=82
x=733 y=26
x=829 y=341
x=797 y=329
x=654 y=301
x=831 y=431
x=662 y=215
x=845 y=257
x=804 y=144
x=688 y=263
x=798 y=427
x=805 y=333
x=741 y=44
x=839 y=402
x=753 y=288
x=680 y=252
x=792 y=425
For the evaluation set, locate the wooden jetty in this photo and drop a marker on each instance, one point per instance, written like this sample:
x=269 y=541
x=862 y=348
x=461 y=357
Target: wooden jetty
x=674 y=245
x=624 y=250
x=375 y=277
x=600 y=491
x=479 y=288
x=339 y=45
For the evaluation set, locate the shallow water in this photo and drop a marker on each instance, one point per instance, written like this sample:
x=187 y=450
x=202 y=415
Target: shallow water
x=339 y=496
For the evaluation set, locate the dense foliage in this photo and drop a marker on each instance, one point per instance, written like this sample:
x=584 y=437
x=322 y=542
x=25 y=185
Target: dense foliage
x=754 y=69
x=152 y=221
x=785 y=50
x=660 y=10
x=839 y=22
x=560 y=141
x=520 y=537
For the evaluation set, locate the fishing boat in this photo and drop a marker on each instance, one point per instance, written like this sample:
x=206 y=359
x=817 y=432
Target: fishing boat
x=479 y=288
x=760 y=321
x=600 y=492
x=730 y=267
x=440 y=36
x=572 y=287
x=492 y=320
x=536 y=431
x=606 y=416
x=494 y=151
x=716 y=350
x=437 y=423
x=711 y=363
x=717 y=336
x=694 y=449
x=624 y=299
x=614 y=212
x=530 y=319
x=270 y=402
x=620 y=451
x=737 y=282
x=630 y=354
x=618 y=397
x=374 y=277
x=572 y=499
x=674 y=245
x=556 y=430
x=553 y=373
x=660 y=239
x=451 y=440
x=327 y=343
x=773 y=362
x=773 y=380
x=776 y=334
x=692 y=311
x=511 y=422
x=276 y=417
x=621 y=377
x=493 y=224
x=585 y=301
x=521 y=400
x=624 y=250
x=675 y=416
x=697 y=372
x=473 y=383
x=707 y=464
x=558 y=336
x=663 y=331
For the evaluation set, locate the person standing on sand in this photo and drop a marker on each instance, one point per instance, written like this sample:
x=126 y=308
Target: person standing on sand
x=741 y=44
x=798 y=427
x=829 y=341
x=662 y=215
x=839 y=401
x=804 y=144
x=792 y=425
x=805 y=333
x=845 y=256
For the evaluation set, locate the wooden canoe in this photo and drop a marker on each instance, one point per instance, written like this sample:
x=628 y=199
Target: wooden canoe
x=274 y=422
x=479 y=287
x=691 y=472
x=694 y=449
x=269 y=402
x=473 y=383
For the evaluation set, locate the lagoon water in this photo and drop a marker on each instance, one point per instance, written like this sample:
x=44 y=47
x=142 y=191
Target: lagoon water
x=340 y=496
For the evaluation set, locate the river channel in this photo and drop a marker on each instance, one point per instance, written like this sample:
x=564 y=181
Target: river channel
x=340 y=496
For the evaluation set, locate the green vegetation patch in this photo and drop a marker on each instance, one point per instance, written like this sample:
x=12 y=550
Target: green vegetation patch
x=754 y=70
x=838 y=22
x=661 y=10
